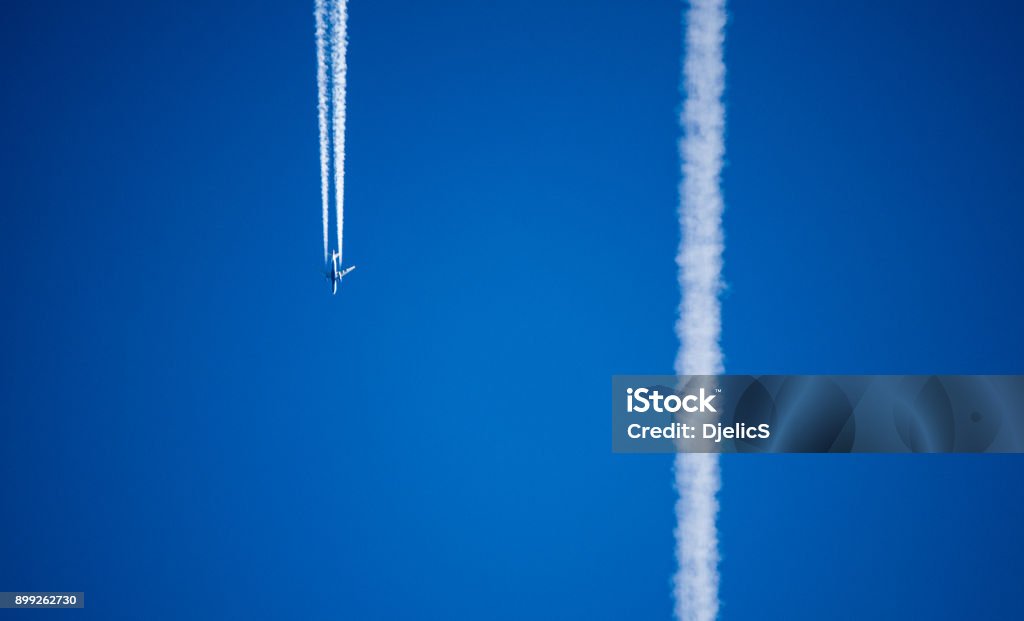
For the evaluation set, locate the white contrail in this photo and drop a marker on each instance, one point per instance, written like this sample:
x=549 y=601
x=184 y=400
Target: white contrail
x=702 y=147
x=320 y=13
x=339 y=45
x=696 y=580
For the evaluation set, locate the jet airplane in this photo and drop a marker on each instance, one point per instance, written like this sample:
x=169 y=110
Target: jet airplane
x=334 y=275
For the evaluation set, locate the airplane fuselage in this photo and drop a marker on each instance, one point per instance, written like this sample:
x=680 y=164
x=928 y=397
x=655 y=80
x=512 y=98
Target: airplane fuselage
x=335 y=276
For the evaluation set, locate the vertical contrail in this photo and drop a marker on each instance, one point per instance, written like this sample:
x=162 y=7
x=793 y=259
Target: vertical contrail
x=702 y=146
x=321 y=108
x=696 y=580
x=339 y=45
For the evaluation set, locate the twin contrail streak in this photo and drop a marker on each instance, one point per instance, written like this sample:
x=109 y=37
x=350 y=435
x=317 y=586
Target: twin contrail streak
x=339 y=45
x=321 y=108
x=331 y=46
x=702 y=147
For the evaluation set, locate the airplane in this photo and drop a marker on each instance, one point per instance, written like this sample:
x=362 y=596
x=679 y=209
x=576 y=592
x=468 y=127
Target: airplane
x=334 y=276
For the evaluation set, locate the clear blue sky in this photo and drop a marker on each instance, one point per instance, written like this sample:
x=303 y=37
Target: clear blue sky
x=187 y=415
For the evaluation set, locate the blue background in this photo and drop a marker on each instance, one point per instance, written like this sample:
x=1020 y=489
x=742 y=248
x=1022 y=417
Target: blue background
x=192 y=427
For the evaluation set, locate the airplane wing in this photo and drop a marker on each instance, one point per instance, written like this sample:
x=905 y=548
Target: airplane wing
x=346 y=271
